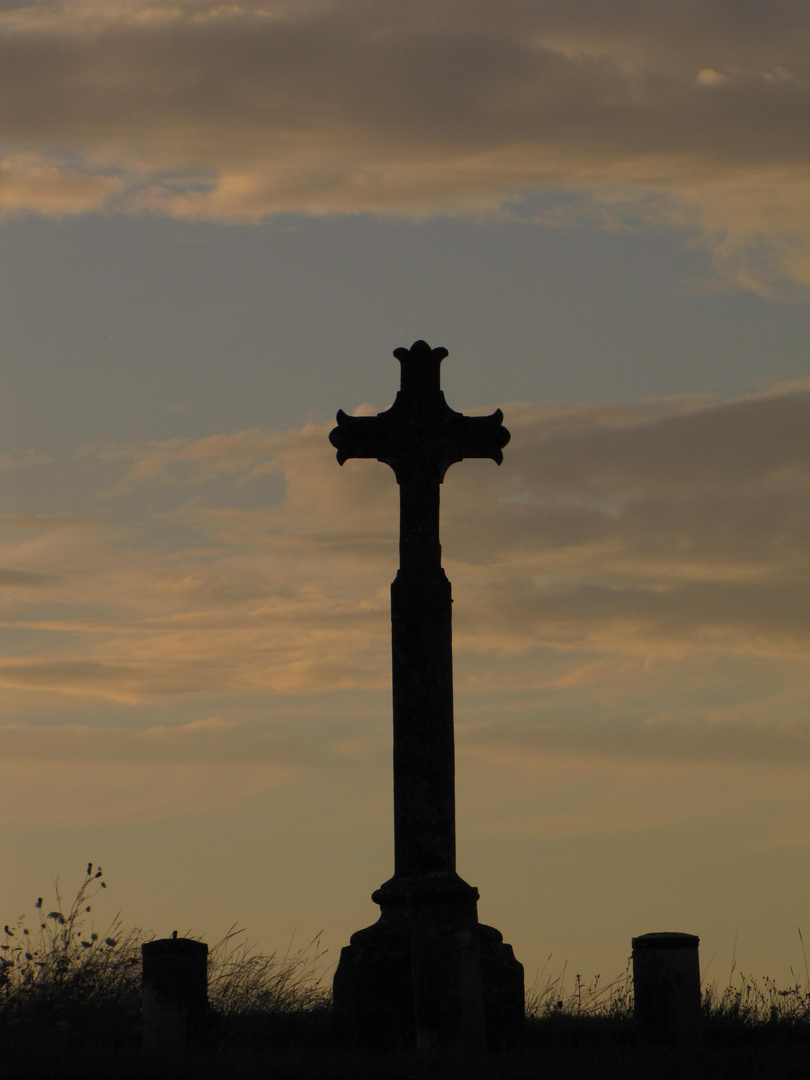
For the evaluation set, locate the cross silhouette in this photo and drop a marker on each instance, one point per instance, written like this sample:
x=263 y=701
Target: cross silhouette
x=426 y=973
x=420 y=436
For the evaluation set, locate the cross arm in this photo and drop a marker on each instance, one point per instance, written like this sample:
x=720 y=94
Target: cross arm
x=420 y=435
x=361 y=437
x=472 y=437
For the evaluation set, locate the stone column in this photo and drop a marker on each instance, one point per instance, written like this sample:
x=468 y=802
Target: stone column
x=666 y=987
x=175 y=994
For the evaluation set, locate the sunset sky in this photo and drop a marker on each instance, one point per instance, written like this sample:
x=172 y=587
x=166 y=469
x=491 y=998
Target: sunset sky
x=217 y=220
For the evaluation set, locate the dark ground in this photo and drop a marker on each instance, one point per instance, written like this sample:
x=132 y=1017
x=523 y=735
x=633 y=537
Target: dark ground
x=576 y=1049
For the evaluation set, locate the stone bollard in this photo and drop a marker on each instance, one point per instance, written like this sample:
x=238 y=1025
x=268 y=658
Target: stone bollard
x=175 y=994
x=666 y=987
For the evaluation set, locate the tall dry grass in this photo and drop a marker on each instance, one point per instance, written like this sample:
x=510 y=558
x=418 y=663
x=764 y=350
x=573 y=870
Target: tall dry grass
x=70 y=1006
x=66 y=988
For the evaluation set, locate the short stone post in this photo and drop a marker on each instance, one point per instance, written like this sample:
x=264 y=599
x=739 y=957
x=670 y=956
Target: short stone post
x=175 y=994
x=666 y=987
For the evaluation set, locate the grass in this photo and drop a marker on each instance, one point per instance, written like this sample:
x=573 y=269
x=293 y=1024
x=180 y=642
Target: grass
x=64 y=978
x=70 y=1007
x=71 y=994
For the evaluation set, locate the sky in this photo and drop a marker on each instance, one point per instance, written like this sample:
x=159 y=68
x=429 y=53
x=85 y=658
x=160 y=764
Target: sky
x=217 y=221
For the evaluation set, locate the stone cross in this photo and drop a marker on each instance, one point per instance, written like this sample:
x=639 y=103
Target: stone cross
x=420 y=436
x=425 y=907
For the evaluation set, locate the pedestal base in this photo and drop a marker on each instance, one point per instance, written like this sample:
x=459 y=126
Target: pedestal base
x=427 y=976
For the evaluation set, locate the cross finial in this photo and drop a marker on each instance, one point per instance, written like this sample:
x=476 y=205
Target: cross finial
x=420 y=368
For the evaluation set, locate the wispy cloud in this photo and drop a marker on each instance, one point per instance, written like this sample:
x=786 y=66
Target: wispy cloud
x=622 y=552
x=209 y=739
x=691 y=115
x=630 y=620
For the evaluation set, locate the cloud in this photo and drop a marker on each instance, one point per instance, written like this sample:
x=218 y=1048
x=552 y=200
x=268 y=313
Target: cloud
x=673 y=738
x=642 y=565
x=666 y=528
x=691 y=115
x=211 y=739
x=80 y=793
x=521 y=795
x=114 y=681
x=249 y=453
x=79 y=773
x=18 y=578
x=30 y=182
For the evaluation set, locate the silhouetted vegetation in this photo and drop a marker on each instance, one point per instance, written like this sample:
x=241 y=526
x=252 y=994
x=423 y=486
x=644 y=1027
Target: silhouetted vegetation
x=70 y=997
x=70 y=1005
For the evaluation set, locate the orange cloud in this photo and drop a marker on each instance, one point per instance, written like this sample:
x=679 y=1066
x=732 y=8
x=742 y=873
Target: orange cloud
x=688 y=115
x=640 y=566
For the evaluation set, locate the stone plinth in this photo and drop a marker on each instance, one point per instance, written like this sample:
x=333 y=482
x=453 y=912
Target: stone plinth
x=427 y=976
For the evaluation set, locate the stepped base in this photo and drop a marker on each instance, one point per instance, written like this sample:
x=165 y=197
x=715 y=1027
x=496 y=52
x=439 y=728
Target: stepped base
x=427 y=976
